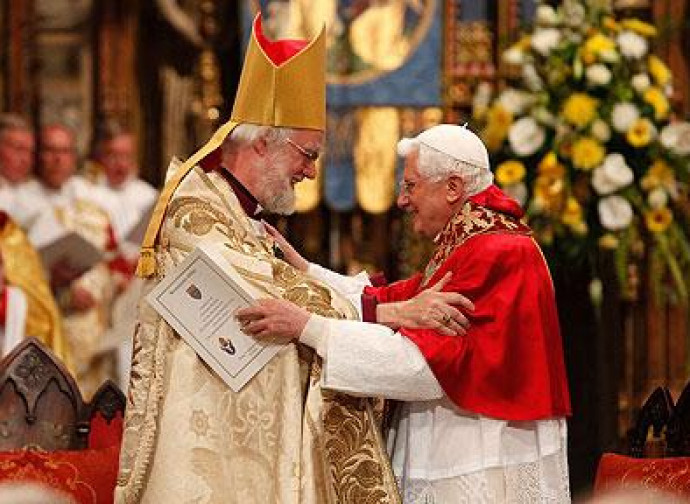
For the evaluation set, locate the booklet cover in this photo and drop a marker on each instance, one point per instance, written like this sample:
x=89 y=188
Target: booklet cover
x=55 y=244
x=199 y=299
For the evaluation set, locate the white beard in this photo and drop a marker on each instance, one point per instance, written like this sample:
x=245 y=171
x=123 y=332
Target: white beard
x=279 y=194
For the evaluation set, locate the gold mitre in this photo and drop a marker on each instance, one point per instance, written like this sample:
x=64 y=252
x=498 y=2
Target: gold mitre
x=283 y=84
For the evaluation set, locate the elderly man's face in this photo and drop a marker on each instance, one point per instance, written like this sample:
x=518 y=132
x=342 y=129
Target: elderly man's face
x=117 y=156
x=424 y=199
x=57 y=156
x=288 y=163
x=16 y=154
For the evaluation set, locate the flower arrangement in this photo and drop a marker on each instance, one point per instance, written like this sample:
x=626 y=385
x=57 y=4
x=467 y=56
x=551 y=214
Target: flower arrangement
x=583 y=137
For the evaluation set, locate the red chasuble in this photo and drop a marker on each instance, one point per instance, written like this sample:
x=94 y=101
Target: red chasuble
x=510 y=364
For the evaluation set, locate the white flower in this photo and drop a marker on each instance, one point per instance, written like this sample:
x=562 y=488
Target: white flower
x=546 y=15
x=514 y=56
x=573 y=12
x=517 y=191
x=612 y=175
x=531 y=78
x=657 y=198
x=545 y=40
x=668 y=90
x=482 y=96
x=526 y=137
x=601 y=130
x=676 y=138
x=615 y=213
x=598 y=75
x=515 y=101
x=633 y=46
x=624 y=115
x=640 y=82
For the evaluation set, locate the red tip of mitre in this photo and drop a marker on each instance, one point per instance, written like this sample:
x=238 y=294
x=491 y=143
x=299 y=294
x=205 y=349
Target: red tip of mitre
x=279 y=51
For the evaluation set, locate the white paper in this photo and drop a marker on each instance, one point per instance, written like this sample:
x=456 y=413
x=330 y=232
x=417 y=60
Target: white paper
x=199 y=299
x=56 y=244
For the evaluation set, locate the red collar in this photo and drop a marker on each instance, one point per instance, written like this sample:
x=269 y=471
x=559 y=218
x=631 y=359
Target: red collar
x=250 y=205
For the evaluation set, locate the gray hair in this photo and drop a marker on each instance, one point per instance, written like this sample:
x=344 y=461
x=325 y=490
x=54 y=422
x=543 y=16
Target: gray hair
x=437 y=165
x=246 y=133
x=13 y=122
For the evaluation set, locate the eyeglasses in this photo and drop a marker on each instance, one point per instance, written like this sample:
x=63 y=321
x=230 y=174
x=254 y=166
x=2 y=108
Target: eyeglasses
x=407 y=187
x=311 y=155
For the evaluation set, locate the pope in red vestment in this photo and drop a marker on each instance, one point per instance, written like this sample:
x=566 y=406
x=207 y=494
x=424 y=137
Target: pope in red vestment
x=509 y=365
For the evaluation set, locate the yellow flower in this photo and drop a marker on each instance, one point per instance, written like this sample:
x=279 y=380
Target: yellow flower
x=524 y=42
x=656 y=98
x=659 y=70
x=548 y=194
x=493 y=138
x=639 y=27
x=659 y=219
x=640 y=133
x=580 y=109
x=498 y=121
x=499 y=117
x=608 y=241
x=587 y=153
x=550 y=167
x=660 y=174
x=510 y=172
x=595 y=45
x=611 y=24
x=572 y=216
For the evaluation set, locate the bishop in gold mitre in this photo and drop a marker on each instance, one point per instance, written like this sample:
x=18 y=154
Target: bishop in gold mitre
x=280 y=439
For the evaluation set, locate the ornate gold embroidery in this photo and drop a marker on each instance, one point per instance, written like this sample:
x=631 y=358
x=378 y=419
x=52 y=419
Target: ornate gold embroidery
x=472 y=220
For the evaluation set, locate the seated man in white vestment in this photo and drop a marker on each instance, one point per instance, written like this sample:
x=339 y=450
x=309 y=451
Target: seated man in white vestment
x=130 y=202
x=84 y=298
x=483 y=417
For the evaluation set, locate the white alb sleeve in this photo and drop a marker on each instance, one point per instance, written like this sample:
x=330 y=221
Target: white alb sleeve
x=364 y=359
x=350 y=287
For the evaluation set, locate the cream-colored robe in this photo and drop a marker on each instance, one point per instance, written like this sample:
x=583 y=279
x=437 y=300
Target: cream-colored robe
x=281 y=439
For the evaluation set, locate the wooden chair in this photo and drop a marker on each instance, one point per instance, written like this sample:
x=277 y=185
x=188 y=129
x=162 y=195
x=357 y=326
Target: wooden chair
x=49 y=435
x=659 y=449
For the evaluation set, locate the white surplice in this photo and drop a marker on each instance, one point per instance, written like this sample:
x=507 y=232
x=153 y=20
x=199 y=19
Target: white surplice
x=441 y=454
x=128 y=204
x=12 y=333
x=18 y=204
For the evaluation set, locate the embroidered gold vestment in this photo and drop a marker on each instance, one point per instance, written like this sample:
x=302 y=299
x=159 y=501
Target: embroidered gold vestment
x=281 y=439
x=23 y=269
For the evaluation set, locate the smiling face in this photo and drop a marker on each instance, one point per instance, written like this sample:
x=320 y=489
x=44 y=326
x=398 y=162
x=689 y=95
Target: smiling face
x=285 y=164
x=430 y=202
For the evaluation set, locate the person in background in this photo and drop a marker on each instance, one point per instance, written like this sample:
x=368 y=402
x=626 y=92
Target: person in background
x=27 y=307
x=17 y=150
x=130 y=203
x=84 y=297
x=483 y=417
x=132 y=199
